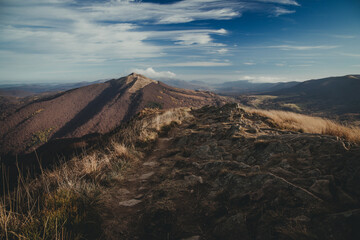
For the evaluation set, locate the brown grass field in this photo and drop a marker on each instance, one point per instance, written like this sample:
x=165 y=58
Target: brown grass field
x=308 y=124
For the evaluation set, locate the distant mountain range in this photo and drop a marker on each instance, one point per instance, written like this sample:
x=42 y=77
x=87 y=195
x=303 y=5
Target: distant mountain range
x=340 y=89
x=93 y=109
x=333 y=97
x=226 y=88
x=27 y=123
x=230 y=88
x=24 y=90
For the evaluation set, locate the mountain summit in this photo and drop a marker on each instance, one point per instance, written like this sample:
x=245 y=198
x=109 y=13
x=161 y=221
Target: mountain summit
x=135 y=82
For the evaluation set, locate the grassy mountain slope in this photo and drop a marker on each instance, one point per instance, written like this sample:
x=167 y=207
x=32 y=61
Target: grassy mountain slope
x=97 y=108
x=334 y=97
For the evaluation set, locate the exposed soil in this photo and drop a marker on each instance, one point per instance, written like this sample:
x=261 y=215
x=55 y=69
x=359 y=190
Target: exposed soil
x=127 y=197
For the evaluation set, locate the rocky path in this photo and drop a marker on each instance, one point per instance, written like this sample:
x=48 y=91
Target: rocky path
x=226 y=174
x=126 y=200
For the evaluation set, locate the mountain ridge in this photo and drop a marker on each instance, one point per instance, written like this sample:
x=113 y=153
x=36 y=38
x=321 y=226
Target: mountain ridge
x=96 y=108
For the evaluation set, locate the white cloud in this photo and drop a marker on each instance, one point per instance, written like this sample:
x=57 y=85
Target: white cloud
x=77 y=34
x=263 y=79
x=85 y=41
x=300 y=48
x=199 y=64
x=344 y=36
x=151 y=73
x=286 y=2
x=64 y=33
x=189 y=39
x=280 y=64
x=300 y=65
x=351 y=54
x=222 y=50
x=249 y=63
x=179 y=12
x=280 y=11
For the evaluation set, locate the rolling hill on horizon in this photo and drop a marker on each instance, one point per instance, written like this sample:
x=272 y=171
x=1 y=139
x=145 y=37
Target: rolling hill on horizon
x=231 y=88
x=93 y=109
x=334 y=97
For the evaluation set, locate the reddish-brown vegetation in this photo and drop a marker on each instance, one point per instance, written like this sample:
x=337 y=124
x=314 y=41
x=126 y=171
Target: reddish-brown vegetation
x=96 y=108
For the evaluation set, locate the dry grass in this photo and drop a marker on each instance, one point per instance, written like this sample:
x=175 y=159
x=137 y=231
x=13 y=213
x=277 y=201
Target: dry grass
x=260 y=99
x=302 y=123
x=64 y=203
x=148 y=124
x=292 y=106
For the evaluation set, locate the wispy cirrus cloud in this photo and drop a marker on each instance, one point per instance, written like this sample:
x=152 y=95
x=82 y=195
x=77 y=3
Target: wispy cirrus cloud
x=286 y=2
x=178 y=12
x=190 y=37
x=300 y=65
x=344 y=36
x=93 y=27
x=198 y=64
x=356 y=55
x=181 y=11
x=281 y=11
x=222 y=50
x=60 y=33
x=249 y=63
x=302 y=48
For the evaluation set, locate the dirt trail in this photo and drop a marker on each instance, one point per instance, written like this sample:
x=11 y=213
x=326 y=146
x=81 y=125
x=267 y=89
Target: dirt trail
x=125 y=201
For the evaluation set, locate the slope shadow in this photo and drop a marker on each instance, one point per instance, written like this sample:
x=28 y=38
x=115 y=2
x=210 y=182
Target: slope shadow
x=48 y=156
x=88 y=112
x=44 y=99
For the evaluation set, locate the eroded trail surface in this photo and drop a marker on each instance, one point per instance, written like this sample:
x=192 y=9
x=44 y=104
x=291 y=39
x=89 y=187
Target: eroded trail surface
x=227 y=174
x=125 y=201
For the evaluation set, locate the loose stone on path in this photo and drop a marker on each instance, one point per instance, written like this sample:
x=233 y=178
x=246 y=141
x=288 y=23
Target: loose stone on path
x=129 y=203
x=146 y=175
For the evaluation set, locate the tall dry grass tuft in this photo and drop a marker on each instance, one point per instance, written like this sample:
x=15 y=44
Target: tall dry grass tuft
x=63 y=203
x=299 y=122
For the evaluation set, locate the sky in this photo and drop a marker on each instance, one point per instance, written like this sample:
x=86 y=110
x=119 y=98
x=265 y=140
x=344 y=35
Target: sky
x=55 y=41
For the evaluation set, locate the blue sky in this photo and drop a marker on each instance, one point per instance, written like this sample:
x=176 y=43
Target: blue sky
x=211 y=40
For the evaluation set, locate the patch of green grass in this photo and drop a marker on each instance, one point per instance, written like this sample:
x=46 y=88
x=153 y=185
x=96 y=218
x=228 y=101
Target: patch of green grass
x=37 y=111
x=154 y=105
x=41 y=136
x=292 y=106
